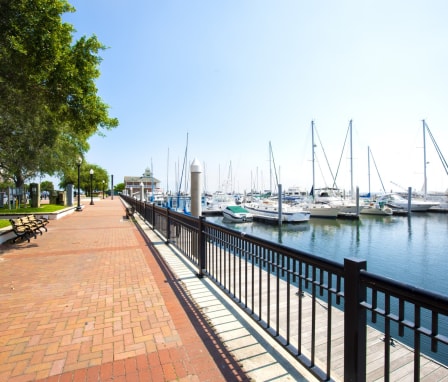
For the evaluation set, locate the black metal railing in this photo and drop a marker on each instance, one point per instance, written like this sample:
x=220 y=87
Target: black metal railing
x=319 y=310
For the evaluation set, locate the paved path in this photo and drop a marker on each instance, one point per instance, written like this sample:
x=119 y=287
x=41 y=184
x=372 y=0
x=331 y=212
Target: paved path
x=89 y=301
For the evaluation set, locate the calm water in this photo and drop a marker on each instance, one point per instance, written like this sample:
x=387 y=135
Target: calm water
x=411 y=249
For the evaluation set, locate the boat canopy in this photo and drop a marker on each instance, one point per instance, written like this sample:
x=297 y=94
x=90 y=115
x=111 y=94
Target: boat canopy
x=237 y=209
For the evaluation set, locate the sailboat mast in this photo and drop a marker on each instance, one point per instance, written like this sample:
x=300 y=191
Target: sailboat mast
x=270 y=167
x=152 y=181
x=425 y=190
x=368 y=165
x=167 y=171
x=351 y=160
x=312 y=154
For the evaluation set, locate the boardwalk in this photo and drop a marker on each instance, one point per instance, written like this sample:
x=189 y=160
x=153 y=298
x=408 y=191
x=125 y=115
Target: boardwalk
x=88 y=301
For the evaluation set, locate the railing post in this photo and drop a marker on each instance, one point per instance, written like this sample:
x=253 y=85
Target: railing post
x=354 y=322
x=168 y=225
x=201 y=248
x=153 y=217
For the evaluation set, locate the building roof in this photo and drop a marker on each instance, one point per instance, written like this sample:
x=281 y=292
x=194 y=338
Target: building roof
x=144 y=179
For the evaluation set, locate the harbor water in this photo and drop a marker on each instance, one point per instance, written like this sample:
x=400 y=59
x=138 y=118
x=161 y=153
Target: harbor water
x=411 y=249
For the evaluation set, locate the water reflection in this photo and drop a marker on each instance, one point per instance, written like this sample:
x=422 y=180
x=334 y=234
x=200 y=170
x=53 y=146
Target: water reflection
x=410 y=249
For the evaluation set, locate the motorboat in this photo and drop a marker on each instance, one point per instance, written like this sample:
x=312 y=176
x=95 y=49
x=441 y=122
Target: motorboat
x=321 y=210
x=219 y=201
x=335 y=199
x=294 y=194
x=375 y=208
x=396 y=201
x=237 y=214
x=157 y=197
x=268 y=210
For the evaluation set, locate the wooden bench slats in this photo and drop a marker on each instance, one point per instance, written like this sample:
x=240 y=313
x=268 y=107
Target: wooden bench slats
x=27 y=226
x=22 y=231
x=35 y=223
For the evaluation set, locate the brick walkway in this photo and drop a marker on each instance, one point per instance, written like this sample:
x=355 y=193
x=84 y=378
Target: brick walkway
x=89 y=301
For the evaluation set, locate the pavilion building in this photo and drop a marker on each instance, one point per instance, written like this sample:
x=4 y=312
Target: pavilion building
x=134 y=184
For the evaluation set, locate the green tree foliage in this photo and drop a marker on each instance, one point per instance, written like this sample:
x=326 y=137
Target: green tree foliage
x=99 y=175
x=46 y=185
x=49 y=104
x=119 y=187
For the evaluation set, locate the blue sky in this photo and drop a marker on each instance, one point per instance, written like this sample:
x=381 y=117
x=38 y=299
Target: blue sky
x=236 y=75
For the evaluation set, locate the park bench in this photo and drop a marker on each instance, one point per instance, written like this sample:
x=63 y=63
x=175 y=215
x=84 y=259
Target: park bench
x=35 y=223
x=22 y=231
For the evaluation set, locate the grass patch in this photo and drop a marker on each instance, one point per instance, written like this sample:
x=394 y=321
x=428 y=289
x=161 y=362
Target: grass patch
x=4 y=223
x=28 y=210
x=46 y=208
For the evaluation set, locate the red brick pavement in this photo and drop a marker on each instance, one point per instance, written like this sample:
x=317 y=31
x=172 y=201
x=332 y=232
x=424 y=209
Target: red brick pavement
x=90 y=300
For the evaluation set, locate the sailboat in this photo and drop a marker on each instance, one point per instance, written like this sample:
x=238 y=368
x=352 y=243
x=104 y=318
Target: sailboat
x=373 y=207
x=274 y=210
x=399 y=203
x=327 y=202
x=439 y=153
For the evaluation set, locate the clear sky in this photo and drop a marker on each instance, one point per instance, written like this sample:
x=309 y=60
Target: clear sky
x=235 y=75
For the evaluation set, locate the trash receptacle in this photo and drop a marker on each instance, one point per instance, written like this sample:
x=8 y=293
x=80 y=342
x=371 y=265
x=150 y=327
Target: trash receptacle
x=53 y=197
x=35 y=195
x=61 y=198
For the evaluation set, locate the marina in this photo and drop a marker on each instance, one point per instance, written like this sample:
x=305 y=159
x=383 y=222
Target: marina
x=410 y=249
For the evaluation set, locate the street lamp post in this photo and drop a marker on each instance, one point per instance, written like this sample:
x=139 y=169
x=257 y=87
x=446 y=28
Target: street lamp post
x=103 y=189
x=112 y=187
x=78 y=163
x=91 y=188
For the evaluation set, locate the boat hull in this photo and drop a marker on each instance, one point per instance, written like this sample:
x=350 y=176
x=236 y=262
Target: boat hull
x=237 y=214
x=372 y=210
x=271 y=213
x=323 y=211
x=395 y=201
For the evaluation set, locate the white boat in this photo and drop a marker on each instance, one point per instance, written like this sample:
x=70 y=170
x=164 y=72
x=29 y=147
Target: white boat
x=268 y=210
x=157 y=197
x=375 y=208
x=334 y=198
x=294 y=194
x=396 y=201
x=219 y=201
x=329 y=196
x=237 y=214
x=321 y=210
